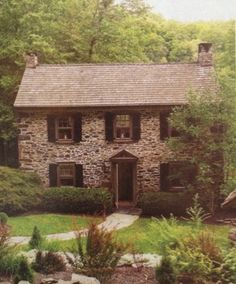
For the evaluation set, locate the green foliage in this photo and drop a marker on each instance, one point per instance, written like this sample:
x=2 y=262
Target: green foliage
x=36 y=239
x=19 y=191
x=165 y=203
x=227 y=271
x=100 y=254
x=196 y=213
x=7 y=123
x=3 y=218
x=206 y=139
x=77 y=200
x=165 y=273
x=170 y=233
x=48 y=262
x=24 y=271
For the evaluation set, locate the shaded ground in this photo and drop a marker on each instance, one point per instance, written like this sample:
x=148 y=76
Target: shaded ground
x=122 y=275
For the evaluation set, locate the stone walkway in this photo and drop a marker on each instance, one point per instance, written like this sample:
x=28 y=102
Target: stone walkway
x=115 y=221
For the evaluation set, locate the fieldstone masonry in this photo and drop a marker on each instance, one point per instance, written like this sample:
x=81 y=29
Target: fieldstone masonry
x=93 y=152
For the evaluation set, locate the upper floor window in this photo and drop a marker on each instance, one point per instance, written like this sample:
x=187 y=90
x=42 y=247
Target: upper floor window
x=64 y=128
x=165 y=129
x=122 y=126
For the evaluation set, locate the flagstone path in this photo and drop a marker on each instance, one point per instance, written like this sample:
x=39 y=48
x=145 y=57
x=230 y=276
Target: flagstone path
x=116 y=221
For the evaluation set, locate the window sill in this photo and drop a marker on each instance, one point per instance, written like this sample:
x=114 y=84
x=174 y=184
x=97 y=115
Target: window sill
x=122 y=141
x=176 y=189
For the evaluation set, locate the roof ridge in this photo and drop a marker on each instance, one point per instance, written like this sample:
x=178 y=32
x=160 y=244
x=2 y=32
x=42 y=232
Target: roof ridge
x=117 y=64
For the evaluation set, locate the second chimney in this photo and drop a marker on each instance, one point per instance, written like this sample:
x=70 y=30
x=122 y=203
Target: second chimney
x=205 y=54
x=31 y=60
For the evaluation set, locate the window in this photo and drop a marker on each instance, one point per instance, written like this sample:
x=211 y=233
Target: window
x=122 y=127
x=66 y=175
x=175 y=176
x=64 y=128
x=165 y=129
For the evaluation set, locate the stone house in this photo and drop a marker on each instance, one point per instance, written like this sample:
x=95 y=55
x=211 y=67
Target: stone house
x=98 y=125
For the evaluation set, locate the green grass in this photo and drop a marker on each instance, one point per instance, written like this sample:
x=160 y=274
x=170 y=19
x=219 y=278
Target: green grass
x=48 y=223
x=143 y=238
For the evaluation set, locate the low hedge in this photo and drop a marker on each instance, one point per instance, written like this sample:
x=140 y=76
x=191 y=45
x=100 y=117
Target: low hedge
x=77 y=200
x=19 y=191
x=165 y=203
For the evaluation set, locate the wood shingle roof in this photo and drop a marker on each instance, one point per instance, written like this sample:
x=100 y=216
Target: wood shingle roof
x=88 y=85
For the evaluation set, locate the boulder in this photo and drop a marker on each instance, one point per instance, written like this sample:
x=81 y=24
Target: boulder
x=23 y=282
x=75 y=278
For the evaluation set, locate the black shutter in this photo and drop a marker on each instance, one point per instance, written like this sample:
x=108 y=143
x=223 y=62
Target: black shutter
x=136 y=126
x=109 y=126
x=51 y=128
x=164 y=175
x=52 y=175
x=77 y=127
x=164 y=125
x=79 y=175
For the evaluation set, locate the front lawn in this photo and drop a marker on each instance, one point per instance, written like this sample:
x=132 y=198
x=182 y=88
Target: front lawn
x=142 y=237
x=49 y=223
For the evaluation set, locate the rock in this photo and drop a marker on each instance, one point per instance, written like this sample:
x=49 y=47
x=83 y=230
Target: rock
x=232 y=236
x=75 y=278
x=23 y=282
x=147 y=259
x=30 y=255
x=48 y=281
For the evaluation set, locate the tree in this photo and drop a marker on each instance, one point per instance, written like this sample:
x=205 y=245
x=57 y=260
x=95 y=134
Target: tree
x=207 y=139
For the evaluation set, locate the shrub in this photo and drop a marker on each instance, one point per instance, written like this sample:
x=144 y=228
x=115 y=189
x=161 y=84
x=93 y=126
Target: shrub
x=196 y=213
x=24 y=272
x=19 y=191
x=3 y=218
x=77 y=200
x=165 y=272
x=48 y=262
x=170 y=233
x=227 y=271
x=100 y=254
x=36 y=239
x=165 y=203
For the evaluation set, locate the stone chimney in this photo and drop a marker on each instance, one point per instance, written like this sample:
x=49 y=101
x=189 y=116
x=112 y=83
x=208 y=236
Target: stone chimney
x=205 y=54
x=31 y=60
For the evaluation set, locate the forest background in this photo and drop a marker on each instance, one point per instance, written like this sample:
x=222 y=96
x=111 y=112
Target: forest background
x=99 y=31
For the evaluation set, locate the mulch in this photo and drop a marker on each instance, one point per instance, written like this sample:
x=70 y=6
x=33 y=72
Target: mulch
x=131 y=275
x=122 y=275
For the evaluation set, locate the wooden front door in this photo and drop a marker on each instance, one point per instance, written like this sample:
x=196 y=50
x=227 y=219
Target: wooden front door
x=125 y=181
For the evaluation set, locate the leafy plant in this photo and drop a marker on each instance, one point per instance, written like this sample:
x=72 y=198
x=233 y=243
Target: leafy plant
x=99 y=254
x=24 y=272
x=3 y=218
x=48 y=262
x=36 y=239
x=170 y=232
x=196 y=213
x=165 y=273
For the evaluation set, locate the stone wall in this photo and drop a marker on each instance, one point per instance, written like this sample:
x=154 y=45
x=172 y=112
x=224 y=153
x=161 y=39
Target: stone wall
x=93 y=152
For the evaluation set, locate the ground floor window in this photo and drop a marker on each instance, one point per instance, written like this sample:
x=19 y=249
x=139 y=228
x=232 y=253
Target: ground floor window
x=176 y=176
x=65 y=174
